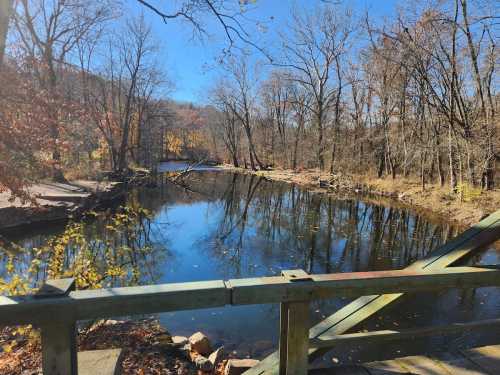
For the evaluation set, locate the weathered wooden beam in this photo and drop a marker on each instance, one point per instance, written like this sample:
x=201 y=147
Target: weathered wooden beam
x=59 y=348
x=297 y=339
x=479 y=235
x=283 y=340
x=401 y=337
x=90 y=304
x=294 y=330
x=279 y=289
x=58 y=333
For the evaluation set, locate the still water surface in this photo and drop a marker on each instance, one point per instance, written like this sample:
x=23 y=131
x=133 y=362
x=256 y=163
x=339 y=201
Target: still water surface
x=221 y=225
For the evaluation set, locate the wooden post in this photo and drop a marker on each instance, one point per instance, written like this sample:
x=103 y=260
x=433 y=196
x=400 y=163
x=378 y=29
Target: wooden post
x=294 y=330
x=59 y=355
x=59 y=348
x=297 y=343
x=283 y=337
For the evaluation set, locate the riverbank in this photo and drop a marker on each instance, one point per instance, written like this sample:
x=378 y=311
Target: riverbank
x=56 y=201
x=435 y=200
x=146 y=348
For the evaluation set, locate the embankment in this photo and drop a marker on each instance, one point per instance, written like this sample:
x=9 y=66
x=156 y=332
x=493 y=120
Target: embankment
x=56 y=201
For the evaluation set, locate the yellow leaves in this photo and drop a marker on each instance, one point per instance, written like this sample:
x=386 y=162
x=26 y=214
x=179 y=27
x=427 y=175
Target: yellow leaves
x=15 y=286
x=111 y=258
x=173 y=144
x=23 y=330
x=10 y=265
x=115 y=271
x=468 y=193
x=194 y=139
x=94 y=262
x=7 y=348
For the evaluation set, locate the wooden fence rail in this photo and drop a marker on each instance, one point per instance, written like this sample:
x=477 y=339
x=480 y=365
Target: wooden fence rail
x=457 y=249
x=57 y=307
x=57 y=315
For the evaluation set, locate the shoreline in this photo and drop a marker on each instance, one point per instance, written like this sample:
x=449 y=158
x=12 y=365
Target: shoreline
x=433 y=201
x=57 y=202
x=54 y=202
x=144 y=346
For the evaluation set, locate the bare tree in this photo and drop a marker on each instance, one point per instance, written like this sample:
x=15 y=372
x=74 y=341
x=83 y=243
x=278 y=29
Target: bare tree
x=312 y=52
x=227 y=123
x=240 y=99
x=49 y=31
x=228 y=14
x=276 y=92
x=300 y=102
x=122 y=98
x=422 y=100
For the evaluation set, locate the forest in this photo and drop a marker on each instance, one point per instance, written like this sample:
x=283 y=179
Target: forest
x=131 y=156
x=414 y=96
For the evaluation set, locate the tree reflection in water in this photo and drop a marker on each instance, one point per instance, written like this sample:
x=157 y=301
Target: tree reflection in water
x=221 y=225
x=268 y=226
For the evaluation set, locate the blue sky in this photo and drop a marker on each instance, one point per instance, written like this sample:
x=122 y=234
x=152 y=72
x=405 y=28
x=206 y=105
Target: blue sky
x=191 y=64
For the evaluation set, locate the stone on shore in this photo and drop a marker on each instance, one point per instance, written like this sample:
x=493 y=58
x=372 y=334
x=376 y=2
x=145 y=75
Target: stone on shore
x=179 y=341
x=105 y=362
x=200 y=343
x=239 y=366
x=216 y=357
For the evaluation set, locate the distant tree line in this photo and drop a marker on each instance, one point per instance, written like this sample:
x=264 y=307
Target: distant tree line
x=82 y=90
x=415 y=96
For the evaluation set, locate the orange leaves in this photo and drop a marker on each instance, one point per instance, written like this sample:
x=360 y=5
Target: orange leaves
x=188 y=118
x=33 y=124
x=173 y=144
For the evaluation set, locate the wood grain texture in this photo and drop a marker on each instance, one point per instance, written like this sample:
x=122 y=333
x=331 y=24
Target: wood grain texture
x=297 y=339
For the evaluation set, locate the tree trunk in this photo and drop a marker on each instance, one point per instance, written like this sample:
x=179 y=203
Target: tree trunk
x=452 y=172
x=5 y=12
x=321 y=157
x=296 y=144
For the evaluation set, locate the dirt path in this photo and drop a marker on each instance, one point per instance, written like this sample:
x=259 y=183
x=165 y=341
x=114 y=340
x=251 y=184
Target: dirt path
x=55 y=201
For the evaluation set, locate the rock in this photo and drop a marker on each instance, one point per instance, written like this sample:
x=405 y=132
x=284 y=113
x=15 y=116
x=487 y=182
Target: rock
x=164 y=339
x=200 y=343
x=239 y=366
x=179 y=341
x=216 y=357
x=105 y=362
x=111 y=322
x=202 y=363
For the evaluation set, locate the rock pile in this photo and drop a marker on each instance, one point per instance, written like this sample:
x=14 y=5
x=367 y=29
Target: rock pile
x=338 y=182
x=199 y=351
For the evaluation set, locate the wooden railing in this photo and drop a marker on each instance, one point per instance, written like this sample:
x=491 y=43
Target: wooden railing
x=57 y=309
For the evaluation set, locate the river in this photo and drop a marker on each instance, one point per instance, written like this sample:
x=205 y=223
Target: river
x=222 y=225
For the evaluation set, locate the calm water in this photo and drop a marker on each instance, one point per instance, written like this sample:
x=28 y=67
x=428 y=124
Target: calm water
x=221 y=225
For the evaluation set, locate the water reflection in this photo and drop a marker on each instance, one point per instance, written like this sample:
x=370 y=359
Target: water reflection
x=258 y=227
x=220 y=225
x=111 y=249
